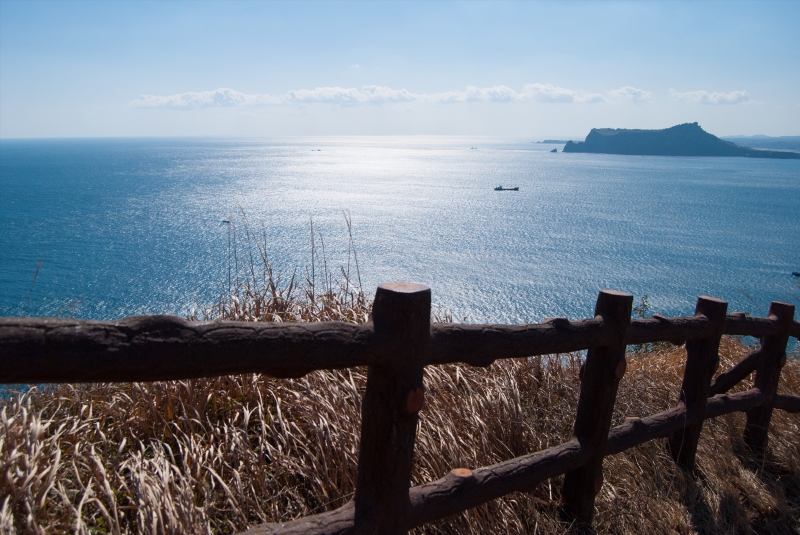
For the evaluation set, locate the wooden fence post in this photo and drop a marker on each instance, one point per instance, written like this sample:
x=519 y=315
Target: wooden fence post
x=601 y=372
x=702 y=359
x=394 y=395
x=768 y=372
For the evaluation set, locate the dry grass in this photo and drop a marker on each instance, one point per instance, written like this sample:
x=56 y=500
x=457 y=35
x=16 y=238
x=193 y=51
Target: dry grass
x=218 y=455
x=255 y=292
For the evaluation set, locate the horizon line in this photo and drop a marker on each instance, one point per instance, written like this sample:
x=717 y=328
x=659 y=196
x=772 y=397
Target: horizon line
x=534 y=138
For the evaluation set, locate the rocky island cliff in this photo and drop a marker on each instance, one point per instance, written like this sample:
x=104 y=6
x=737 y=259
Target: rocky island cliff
x=682 y=140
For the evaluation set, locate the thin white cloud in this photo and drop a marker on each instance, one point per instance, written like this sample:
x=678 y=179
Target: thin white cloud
x=630 y=94
x=228 y=97
x=375 y=94
x=591 y=98
x=204 y=99
x=705 y=97
x=498 y=93
x=548 y=93
x=368 y=94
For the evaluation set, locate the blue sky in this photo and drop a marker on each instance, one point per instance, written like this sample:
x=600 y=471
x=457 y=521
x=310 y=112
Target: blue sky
x=538 y=69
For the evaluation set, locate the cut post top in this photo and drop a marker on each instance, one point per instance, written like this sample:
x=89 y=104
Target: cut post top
x=404 y=287
x=614 y=305
x=712 y=299
x=783 y=311
x=617 y=293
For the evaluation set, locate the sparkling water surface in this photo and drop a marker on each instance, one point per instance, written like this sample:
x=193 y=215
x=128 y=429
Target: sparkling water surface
x=135 y=226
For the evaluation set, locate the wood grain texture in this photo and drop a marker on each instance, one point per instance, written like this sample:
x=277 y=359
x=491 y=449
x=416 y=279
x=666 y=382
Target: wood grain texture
x=480 y=345
x=702 y=359
x=768 y=373
x=340 y=521
x=599 y=384
x=787 y=403
x=660 y=329
x=394 y=394
x=730 y=378
x=742 y=324
x=452 y=494
x=795 y=330
x=640 y=430
x=150 y=348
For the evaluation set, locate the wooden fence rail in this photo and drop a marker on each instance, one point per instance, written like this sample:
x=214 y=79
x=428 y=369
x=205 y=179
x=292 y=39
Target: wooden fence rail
x=396 y=346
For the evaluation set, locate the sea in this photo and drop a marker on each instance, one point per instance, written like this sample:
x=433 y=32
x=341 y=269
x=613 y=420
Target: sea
x=108 y=228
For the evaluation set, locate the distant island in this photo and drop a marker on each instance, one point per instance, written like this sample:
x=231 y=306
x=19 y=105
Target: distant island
x=681 y=140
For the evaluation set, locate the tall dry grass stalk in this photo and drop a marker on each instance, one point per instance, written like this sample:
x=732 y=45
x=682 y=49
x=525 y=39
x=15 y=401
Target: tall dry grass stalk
x=218 y=455
x=254 y=291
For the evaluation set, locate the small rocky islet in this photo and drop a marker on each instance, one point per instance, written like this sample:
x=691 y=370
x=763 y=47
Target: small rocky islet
x=687 y=139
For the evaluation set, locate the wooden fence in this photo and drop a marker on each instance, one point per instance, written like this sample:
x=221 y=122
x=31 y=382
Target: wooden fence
x=396 y=346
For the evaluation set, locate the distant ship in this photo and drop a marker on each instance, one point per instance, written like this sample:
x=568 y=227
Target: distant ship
x=501 y=188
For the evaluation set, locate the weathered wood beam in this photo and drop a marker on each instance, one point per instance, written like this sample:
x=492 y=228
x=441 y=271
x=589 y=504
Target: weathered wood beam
x=787 y=403
x=600 y=376
x=480 y=345
x=768 y=373
x=340 y=521
x=740 y=323
x=463 y=489
x=732 y=377
x=661 y=329
x=637 y=431
x=158 y=348
x=702 y=359
x=149 y=348
x=390 y=407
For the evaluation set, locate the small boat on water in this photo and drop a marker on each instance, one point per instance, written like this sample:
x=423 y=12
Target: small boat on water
x=795 y=273
x=501 y=188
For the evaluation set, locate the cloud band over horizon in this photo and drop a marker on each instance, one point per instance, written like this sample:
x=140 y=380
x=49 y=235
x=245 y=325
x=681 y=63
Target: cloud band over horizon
x=375 y=94
x=706 y=97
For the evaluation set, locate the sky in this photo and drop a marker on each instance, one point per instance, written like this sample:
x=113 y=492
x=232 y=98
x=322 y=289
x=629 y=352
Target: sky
x=260 y=69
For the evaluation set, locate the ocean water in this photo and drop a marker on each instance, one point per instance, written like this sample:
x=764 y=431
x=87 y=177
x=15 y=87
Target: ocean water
x=133 y=226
